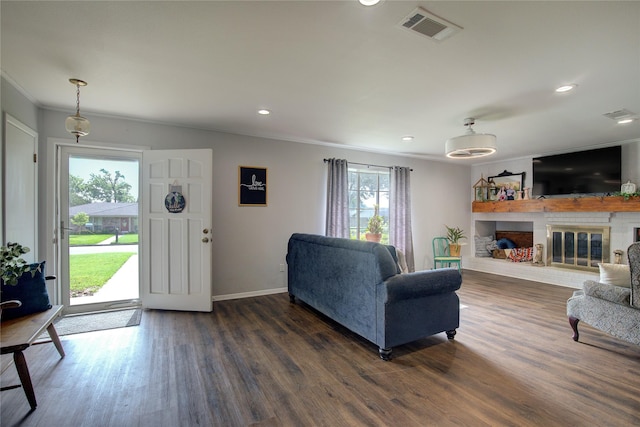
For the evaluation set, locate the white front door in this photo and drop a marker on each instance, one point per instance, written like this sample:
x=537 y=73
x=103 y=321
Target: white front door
x=176 y=232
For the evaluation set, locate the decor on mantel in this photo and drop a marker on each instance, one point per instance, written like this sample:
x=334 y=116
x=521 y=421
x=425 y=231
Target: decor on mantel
x=628 y=188
x=76 y=124
x=471 y=144
x=506 y=185
x=481 y=189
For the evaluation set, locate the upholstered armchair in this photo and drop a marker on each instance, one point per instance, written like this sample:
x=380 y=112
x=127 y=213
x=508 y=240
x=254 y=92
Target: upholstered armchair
x=613 y=306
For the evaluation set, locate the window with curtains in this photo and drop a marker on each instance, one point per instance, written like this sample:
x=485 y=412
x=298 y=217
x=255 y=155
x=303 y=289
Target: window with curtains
x=368 y=189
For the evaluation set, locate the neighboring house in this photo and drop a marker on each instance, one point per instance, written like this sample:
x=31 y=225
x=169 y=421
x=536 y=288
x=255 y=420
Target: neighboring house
x=107 y=217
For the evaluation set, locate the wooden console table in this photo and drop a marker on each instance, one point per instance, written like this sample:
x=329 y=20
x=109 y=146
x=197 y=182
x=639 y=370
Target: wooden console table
x=18 y=334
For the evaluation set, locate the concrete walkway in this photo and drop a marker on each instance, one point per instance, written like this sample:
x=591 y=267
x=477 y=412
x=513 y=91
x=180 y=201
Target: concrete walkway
x=123 y=285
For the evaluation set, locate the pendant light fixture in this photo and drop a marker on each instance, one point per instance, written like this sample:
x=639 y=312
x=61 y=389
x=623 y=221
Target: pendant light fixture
x=76 y=124
x=471 y=144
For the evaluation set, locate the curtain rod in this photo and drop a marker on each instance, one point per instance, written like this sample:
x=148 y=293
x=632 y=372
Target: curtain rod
x=367 y=165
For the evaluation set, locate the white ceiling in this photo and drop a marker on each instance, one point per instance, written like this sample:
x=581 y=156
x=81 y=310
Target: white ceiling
x=338 y=72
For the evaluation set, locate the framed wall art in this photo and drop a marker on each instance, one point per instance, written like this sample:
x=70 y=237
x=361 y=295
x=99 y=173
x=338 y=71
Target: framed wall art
x=506 y=185
x=252 y=186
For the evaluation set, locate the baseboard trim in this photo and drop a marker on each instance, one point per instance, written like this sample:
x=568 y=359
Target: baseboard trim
x=249 y=294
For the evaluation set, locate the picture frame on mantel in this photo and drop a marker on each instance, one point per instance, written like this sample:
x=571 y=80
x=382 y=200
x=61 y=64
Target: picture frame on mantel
x=506 y=185
x=252 y=186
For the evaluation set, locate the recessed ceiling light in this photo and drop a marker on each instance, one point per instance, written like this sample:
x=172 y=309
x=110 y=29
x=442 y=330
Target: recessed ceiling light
x=407 y=138
x=369 y=2
x=624 y=121
x=566 y=88
x=264 y=112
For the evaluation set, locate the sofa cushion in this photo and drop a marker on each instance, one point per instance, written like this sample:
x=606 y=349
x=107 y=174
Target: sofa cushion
x=612 y=293
x=615 y=274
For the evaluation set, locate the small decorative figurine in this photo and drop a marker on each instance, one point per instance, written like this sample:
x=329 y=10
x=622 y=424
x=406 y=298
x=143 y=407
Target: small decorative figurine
x=537 y=259
x=617 y=256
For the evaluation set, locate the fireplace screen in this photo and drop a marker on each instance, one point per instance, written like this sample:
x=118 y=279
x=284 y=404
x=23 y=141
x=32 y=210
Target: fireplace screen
x=577 y=247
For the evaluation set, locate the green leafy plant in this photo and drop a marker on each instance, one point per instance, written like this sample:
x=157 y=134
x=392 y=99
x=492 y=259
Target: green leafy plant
x=12 y=265
x=454 y=234
x=627 y=196
x=376 y=223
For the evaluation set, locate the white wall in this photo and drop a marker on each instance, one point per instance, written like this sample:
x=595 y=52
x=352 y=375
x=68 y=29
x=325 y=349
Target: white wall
x=250 y=243
x=14 y=103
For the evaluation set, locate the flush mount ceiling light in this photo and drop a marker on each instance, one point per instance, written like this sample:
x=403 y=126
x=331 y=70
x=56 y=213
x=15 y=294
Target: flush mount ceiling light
x=369 y=2
x=471 y=144
x=407 y=138
x=264 y=112
x=76 y=124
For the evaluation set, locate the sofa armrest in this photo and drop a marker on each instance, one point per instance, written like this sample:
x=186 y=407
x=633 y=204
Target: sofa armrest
x=422 y=283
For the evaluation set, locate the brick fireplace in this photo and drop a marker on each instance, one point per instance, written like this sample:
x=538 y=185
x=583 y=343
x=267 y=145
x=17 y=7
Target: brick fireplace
x=578 y=247
x=619 y=226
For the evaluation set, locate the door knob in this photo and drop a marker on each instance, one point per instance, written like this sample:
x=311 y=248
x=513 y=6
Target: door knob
x=205 y=240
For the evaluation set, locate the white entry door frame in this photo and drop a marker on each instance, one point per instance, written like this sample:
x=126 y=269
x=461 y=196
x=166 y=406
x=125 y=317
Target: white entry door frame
x=176 y=233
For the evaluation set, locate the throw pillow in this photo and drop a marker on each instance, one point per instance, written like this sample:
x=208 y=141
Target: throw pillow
x=520 y=254
x=481 y=245
x=31 y=291
x=505 y=243
x=615 y=274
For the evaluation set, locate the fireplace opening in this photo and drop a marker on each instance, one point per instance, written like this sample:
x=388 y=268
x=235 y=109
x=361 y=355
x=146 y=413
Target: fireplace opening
x=577 y=247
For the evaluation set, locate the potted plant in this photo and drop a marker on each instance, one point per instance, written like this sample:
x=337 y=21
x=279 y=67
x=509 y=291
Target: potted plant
x=373 y=233
x=12 y=266
x=454 y=234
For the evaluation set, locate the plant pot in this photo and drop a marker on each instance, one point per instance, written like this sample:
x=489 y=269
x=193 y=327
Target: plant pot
x=371 y=237
x=454 y=249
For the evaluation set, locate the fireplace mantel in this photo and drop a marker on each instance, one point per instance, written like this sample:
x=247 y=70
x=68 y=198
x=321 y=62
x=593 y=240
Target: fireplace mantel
x=581 y=204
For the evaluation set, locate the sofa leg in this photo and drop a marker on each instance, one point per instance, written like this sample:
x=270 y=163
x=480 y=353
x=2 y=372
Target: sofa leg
x=574 y=325
x=292 y=298
x=451 y=334
x=385 y=353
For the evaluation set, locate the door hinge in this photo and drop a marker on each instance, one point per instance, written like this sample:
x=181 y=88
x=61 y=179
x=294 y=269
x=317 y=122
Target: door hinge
x=35 y=157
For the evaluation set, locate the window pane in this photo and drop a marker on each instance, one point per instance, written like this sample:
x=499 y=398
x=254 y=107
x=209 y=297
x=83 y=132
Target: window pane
x=384 y=181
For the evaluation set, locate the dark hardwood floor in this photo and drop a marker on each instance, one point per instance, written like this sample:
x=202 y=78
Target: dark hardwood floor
x=265 y=362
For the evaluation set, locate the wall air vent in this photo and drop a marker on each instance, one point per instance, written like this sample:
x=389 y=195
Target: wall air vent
x=428 y=25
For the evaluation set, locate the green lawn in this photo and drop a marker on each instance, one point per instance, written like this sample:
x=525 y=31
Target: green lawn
x=94 y=239
x=89 y=272
x=87 y=239
x=127 y=239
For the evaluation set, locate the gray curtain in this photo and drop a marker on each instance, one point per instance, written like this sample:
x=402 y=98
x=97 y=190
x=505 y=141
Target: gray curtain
x=400 y=234
x=338 y=199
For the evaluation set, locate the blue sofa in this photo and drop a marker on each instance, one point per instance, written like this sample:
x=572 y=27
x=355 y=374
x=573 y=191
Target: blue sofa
x=358 y=284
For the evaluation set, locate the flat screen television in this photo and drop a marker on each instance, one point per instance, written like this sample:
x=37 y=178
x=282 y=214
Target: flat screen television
x=583 y=172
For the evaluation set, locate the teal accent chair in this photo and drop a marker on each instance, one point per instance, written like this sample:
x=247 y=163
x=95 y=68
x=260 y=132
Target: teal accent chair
x=441 y=254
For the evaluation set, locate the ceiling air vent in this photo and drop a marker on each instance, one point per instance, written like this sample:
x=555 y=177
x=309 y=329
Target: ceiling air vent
x=426 y=24
x=621 y=115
